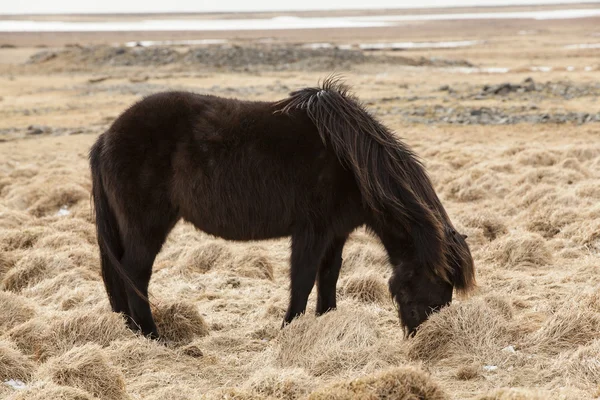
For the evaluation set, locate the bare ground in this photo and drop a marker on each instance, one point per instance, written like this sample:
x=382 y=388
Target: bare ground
x=526 y=192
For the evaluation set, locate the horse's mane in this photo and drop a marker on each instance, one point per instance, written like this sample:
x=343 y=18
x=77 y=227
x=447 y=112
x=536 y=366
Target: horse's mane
x=392 y=178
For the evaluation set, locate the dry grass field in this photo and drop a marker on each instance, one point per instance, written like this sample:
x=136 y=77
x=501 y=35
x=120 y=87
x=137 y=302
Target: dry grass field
x=517 y=167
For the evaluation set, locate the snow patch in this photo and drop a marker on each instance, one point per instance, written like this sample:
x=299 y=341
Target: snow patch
x=15 y=384
x=64 y=211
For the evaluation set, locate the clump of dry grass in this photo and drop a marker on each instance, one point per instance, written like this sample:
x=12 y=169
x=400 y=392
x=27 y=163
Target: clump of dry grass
x=468 y=372
x=233 y=394
x=85 y=368
x=204 y=257
x=543 y=226
x=180 y=322
x=399 y=383
x=368 y=289
x=538 y=158
x=15 y=310
x=28 y=270
x=359 y=255
x=64 y=195
x=285 y=384
x=491 y=227
x=56 y=333
x=31 y=337
x=58 y=240
x=13 y=364
x=25 y=238
x=78 y=226
x=49 y=390
x=519 y=249
x=7 y=261
x=500 y=304
x=580 y=367
x=515 y=394
x=138 y=355
x=465 y=333
x=252 y=265
x=12 y=219
x=569 y=326
x=324 y=345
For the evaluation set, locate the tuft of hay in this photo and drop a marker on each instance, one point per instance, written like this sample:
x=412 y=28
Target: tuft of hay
x=59 y=240
x=361 y=254
x=59 y=332
x=581 y=367
x=15 y=310
x=78 y=327
x=57 y=289
x=31 y=338
x=515 y=394
x=367 y=289
x=232 y=394
x=15 y=239
x=398 y=383
x=12 y=219
x=543 y=226
x=468 y=332
x=491 y=227
x=139 y=356
x=569 y=327
x=175 y=391
x=180 y=322
x=524 y=249
x=204 y=257
x=6 y=263
x=64 y=195
x=13 y=364
x=538 y=158
x=49 y=390
x=334 y=341
x=468 y=372
x=287 y=383
x=254 y=266
x=501 y=305
x=28 y=270
x=86 y=368
x=78 y=226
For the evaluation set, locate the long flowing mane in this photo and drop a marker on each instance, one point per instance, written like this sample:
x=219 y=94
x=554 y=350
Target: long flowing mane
x=393 y=180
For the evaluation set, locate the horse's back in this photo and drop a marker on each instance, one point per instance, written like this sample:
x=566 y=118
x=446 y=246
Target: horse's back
x=235 y=169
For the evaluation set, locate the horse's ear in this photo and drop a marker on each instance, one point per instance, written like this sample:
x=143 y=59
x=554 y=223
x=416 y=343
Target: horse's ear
x=464 y=236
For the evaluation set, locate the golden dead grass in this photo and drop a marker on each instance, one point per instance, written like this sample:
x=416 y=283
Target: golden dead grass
x=86 y=368
x=527 y=197
x=45 y=390
x=399 y=383
x=13 y=364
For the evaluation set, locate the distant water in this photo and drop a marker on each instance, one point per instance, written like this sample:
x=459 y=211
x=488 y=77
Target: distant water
x=145 y=6
x=280 y=22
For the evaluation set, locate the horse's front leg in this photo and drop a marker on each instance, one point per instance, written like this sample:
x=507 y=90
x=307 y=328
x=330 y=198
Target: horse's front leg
x=308 y=250
x=328 y=274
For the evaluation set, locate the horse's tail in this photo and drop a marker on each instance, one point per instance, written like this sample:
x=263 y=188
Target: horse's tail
x=391 y=179
x=109 y=239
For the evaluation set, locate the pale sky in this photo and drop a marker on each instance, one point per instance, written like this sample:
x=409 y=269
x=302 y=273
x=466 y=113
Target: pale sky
x=140 y=6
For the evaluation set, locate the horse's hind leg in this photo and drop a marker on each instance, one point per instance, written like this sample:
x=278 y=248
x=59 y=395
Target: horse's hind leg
x=140 y=251
x=308 y=250
x=327 y=276
x=115 y=287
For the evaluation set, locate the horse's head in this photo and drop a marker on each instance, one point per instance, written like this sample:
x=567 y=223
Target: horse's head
x=418 y=294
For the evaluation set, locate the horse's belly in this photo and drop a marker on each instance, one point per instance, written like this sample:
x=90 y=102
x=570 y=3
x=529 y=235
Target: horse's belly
x=241 y=215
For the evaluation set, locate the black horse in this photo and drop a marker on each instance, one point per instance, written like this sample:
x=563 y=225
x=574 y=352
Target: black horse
x=314 y=166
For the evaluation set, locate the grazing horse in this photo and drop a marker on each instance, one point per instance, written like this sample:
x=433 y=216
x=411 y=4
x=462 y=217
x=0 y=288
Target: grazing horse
x=314 y=166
